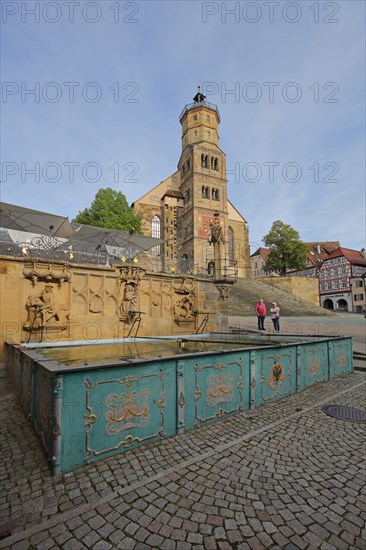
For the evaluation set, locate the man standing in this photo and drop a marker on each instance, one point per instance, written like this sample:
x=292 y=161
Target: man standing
x=261 y=311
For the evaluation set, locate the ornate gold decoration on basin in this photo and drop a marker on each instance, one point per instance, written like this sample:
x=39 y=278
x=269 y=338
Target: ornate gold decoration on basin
x=90 y=419
x=277 y=375
x=219 y=388
x=128 y=381
x=127 y=410
x=197 y=394
x=161 y=403
x=314 y=367
x=341 y=361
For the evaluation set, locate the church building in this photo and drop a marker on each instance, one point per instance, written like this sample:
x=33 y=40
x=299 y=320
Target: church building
x=188 y=207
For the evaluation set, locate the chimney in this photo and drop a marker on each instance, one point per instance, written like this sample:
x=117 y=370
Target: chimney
x=318 y=249
x=363 y=253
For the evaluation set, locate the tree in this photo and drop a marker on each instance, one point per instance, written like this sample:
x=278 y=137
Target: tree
x=286 y=248
x=110 y=209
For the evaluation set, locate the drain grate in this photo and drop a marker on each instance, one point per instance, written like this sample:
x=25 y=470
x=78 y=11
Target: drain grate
x=343 y=412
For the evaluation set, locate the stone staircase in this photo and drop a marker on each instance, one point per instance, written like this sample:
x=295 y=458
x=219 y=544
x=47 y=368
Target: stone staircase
x=246 y=292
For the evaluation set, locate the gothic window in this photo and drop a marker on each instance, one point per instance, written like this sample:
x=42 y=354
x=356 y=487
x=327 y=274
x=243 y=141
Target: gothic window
x=204 y=161
x=183 y=170
x=216 y=164
x=231 y=245
x=155 y=232
x=188 y=164
x=211 y=268
x=215 y=194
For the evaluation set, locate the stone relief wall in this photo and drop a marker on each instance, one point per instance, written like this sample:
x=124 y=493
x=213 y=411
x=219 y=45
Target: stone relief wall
x=44 y=301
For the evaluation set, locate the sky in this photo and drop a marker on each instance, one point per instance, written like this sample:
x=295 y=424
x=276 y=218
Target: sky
x=92 y=93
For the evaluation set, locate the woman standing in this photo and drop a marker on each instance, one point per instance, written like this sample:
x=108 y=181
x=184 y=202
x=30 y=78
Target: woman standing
x=275 y=316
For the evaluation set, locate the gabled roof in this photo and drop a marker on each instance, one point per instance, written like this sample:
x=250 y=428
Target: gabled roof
x=319 y=251
x=353 y=256
x=261 y=251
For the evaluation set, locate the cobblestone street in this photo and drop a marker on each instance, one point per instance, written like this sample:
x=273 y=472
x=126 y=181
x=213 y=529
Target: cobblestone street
x=283 y=476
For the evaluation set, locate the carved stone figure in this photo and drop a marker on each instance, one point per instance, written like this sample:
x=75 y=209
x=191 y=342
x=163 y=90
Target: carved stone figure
x=184 y=310
x=43 y=310
x=185 y=287
x=130 y=278
x=129 y=301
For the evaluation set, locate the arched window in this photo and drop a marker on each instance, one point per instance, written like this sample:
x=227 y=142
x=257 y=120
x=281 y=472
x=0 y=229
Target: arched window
x=205 y=191
x=155 y=232
x=215 y=194
x=188 y=164
x=211 y=268
x=216 y=163
x=231 y=245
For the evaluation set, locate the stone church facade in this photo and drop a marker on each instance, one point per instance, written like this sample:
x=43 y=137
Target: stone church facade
x=184 y=207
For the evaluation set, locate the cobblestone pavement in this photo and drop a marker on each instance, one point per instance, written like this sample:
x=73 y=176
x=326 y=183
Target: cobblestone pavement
x=282 y=476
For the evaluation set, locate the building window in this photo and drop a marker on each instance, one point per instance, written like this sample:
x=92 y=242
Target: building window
x=358 y=284
x=358 y=297
x=205 y=191
x=215 y=194
x=155 y=232
x=195 y=117
x=204 y=161
x=344 y=285
x=207 y=117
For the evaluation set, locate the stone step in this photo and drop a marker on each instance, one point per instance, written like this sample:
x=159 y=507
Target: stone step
x=245 y=294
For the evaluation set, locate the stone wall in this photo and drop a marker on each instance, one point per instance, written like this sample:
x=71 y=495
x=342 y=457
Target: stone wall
x=306 y=288
x=59 y=301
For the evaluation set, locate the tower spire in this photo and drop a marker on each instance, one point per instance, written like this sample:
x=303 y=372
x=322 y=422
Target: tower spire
x=199 y=98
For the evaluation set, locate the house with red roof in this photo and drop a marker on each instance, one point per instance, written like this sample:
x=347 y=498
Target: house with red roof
x=342 y=280
x=317 y=253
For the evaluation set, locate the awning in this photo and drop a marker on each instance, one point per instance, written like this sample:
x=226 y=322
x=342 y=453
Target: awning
x=34 y=221
x=26 y=226
x=112 y=237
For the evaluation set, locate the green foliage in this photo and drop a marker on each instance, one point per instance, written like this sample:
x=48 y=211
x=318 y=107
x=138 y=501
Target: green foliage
x=286 y=248
x=110 y=209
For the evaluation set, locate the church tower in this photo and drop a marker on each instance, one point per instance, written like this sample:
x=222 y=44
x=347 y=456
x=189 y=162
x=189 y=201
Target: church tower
x=190 y=209
x=203 y=184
